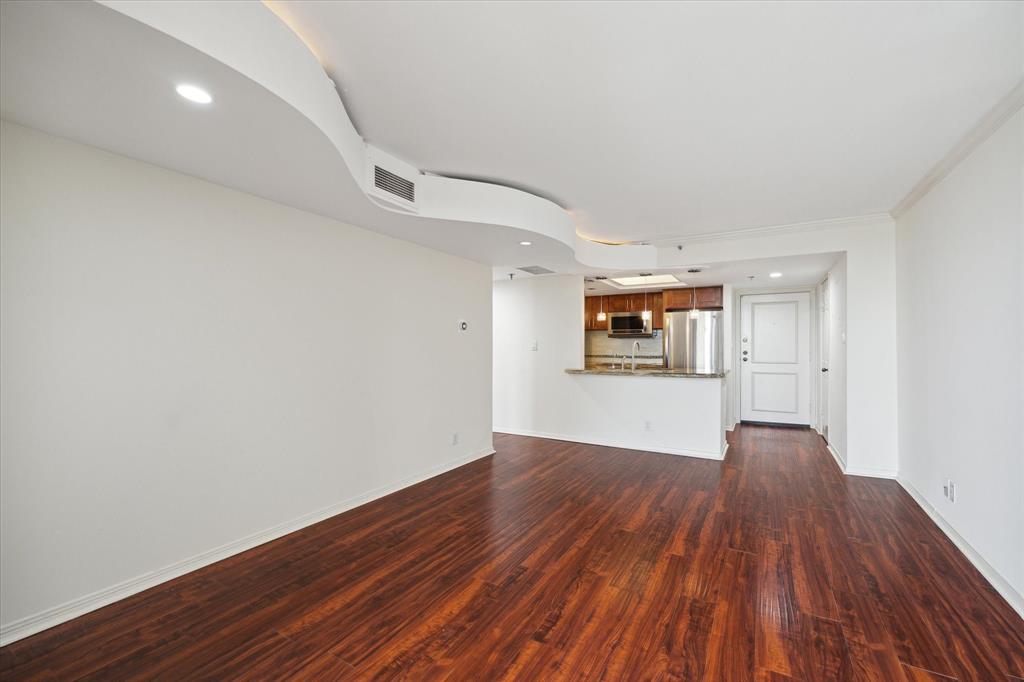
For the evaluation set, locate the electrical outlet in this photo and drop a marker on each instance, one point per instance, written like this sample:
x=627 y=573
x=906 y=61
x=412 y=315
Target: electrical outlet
x=945 y=489
x=455 y=439
x=952 y=492
x=533 y=346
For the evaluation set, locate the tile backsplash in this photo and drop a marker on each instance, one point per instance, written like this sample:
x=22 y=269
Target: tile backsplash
x=600 y=348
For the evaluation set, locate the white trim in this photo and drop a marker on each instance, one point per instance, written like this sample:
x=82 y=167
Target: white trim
x=983 y=129
x=1014 y=598
x=872 y=473
x=616 y=444
x=29 y=625
x=840 y=460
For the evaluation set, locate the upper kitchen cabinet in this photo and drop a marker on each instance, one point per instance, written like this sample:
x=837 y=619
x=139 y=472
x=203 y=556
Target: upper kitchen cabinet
x=592 y=306
x=618 y=303
x=589 y=316
x=656 y=305
x=688 y=299
x=622 y=303
x=678 y=299
x=709 y=297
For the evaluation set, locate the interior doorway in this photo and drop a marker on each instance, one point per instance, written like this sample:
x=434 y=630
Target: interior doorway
x=775 y=358
x=824 y=341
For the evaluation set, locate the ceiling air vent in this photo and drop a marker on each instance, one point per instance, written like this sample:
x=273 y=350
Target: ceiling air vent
x=387 y=181
x=536 y=270
x=390 y=182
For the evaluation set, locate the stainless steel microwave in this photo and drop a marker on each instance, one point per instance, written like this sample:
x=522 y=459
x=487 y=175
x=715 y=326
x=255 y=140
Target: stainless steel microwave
x=629 y=324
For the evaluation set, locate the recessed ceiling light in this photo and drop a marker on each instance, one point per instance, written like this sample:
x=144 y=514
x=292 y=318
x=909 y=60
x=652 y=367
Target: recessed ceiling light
x=645 y=280
x=194 y=93
x=525 y=243
x=775 y=275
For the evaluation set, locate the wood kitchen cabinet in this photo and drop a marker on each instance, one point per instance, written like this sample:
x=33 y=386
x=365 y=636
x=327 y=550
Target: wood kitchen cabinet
x=657 y=307
x=618 y=303
x=678 y=299
x=622 y=303
x=688 y=299
x=709 y=297
x=592 y=305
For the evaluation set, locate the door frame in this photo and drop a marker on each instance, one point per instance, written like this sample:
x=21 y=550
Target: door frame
x=823 y=415
x=734 y=381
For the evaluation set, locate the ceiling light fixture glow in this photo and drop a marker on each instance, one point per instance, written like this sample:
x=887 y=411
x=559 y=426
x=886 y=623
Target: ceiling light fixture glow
x=775 y=275
x=193 y=93
x=643 y=280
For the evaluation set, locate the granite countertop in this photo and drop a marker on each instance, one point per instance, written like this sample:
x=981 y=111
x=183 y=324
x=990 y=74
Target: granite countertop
x=646 y=372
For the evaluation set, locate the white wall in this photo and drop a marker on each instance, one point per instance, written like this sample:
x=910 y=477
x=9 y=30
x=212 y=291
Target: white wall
x=837 y=358
x=534 y=396
x=870 y=321
x=961 y=377
x=183 y=367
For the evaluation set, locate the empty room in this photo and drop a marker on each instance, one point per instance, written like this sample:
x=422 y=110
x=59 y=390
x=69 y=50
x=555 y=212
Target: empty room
x=512 y=340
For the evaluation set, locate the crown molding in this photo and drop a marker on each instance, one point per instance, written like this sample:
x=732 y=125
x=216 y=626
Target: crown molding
x=771 y=230
x=989 y=123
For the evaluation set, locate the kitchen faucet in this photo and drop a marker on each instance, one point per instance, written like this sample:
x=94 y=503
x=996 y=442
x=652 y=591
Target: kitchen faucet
x=636 y=347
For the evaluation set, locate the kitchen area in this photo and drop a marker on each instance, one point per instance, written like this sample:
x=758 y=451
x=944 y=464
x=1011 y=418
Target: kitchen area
x=655 y=357
x=670 y=332
x=668 y=362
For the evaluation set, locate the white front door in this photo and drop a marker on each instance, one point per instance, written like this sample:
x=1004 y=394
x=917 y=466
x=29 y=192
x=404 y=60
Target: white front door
x=775 y=358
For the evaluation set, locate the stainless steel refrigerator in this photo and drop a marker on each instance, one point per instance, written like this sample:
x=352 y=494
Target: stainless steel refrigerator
x=693 y=341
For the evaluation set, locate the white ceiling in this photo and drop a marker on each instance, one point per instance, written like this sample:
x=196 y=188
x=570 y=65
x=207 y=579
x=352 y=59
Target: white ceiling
x=661 y=120
x=806 y=270
x=89 y=73
x=650 y=121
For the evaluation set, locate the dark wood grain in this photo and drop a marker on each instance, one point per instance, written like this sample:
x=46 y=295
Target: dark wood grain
x=554 y=560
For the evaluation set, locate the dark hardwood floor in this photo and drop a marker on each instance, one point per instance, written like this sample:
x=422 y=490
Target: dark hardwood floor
x=555 y=560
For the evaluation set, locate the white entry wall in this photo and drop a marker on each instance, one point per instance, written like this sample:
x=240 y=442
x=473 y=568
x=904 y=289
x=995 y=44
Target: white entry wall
x=867 y=399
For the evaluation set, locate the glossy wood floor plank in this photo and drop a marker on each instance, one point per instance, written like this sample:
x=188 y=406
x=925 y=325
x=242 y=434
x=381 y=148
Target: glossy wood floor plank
x=563 y=561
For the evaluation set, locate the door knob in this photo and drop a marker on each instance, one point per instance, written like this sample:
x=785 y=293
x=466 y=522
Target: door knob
x=744 y=359
x=824 y=369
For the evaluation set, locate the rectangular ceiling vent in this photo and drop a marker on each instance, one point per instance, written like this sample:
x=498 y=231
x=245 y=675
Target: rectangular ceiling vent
x=391 y=182
x=387 y=181
x=536 y=270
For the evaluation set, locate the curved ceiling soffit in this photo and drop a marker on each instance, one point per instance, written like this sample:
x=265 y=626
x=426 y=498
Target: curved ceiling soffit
x=253 y=41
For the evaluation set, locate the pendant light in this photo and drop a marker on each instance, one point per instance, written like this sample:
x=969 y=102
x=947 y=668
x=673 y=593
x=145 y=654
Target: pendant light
x=694 y=313
x=645 y=314
x=601 y=316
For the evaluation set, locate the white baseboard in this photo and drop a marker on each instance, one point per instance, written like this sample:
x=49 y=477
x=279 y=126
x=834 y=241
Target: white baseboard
x=29 y=625
x=873 y=473
x=616 y=444
x=836 y=456
x=1014 y=598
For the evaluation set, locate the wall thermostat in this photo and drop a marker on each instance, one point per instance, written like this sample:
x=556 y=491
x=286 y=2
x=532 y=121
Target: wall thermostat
x=463 y=326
